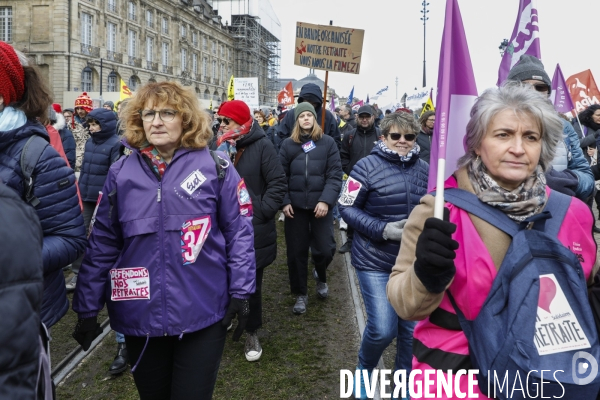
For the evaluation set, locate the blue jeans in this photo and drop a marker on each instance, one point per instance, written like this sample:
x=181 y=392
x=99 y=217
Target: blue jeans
x=120 y=337
x=383 y=324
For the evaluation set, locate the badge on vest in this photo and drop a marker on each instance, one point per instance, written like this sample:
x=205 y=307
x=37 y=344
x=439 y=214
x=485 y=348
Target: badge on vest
x=193 y=235
x=129 y=284
x=350 y=192
x=557 y=329
x=308 y=146
x=244 y=199
x=193 y=182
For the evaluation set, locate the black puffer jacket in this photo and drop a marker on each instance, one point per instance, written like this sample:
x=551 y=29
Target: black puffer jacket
x=424 y=142
x=21 y=288
x=265 y=180
x=357 y=144
x=313 y=176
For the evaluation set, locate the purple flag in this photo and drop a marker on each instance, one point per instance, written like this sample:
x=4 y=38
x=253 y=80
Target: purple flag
x=525 y=39
x=561 y=98
x=332 y=105
x=455 y=96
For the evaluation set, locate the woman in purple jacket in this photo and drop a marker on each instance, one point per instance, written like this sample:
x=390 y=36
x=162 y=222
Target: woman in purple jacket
x=171 y=249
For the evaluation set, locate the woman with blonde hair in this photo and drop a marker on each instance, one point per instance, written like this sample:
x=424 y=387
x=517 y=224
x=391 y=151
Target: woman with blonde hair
x=312 y=165
x=171 y=249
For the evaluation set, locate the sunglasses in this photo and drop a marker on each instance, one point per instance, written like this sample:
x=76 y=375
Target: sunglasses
x=225 y=121
x=409 y=137
x=541 y=87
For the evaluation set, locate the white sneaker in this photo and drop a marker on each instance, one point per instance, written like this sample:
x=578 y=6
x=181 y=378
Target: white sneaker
x=343 y=225
x=281 y=217
x=252 y=348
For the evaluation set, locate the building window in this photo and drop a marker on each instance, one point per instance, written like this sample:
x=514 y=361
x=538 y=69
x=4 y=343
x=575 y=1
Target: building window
x=165 y=25
x=165 y=54
x=204 y=46
x=195 y=64
x=149 y=48
x=6 y=24
x=86 y=79
x=112 y=5
x=195 y=39
x=133 y=83
x=111 y=37
x=214 y=69
x=205 y=67
x=111 y=86
x=131 y=43
x=131 y=12
x=86 y=29
x=149 y=19
x=214 y=47
x=183 y=31
x=183 y=59
x=222 y=72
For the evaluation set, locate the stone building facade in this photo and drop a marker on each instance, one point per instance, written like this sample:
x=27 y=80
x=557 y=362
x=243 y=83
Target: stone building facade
x=85 y=45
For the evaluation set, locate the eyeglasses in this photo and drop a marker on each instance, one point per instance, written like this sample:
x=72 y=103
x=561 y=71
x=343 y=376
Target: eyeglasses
x=164 y=115
x=225 y=121
x=430 y=120
x=409 y=137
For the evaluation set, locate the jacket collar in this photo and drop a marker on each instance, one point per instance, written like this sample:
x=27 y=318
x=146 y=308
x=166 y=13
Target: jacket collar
x=30 y=128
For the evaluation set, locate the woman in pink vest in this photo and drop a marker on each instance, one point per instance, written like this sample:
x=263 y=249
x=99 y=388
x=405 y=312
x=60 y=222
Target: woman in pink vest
x=510 y=138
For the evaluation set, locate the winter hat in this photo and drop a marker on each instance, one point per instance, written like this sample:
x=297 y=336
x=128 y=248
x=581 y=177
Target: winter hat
x=110 y=104
x=84 y=102
x=237 y=110
x=12 y=76
x=300 y=108
x=57 y=108
x=529 y=67
x=69 y=110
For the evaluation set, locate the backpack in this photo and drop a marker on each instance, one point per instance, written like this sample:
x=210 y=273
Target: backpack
x=33 y=149
x=517 y=334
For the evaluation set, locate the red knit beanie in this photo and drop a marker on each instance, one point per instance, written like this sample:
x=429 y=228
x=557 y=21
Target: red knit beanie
x=237 y=110
x=84 y=101
x=57 y=108
x=12 y=76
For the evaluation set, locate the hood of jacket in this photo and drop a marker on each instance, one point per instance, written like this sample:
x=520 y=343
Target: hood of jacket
x=312 y=90
x=108 y=124
x=31 y=127
x=256 y=133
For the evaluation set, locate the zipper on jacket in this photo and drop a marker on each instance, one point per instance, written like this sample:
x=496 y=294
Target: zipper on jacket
x=162 y=261
x=407 y=190
x=158 y=194
x=306 y=179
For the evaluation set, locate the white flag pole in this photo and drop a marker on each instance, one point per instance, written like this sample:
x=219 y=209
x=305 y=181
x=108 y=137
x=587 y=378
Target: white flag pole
x=438 y=208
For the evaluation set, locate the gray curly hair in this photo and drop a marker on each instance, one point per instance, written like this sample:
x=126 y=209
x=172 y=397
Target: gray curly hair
x=402 y=121
x=522 y=100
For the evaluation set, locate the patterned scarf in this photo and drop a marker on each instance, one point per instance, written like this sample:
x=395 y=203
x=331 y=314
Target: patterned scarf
x=526 y=200
x=227 y=141
x=158 y=163
x=415 y=150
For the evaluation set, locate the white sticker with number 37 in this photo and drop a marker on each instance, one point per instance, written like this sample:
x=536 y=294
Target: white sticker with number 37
x=193 y=235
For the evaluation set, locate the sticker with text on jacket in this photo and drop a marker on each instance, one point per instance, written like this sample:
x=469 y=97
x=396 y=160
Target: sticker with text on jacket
x=350 y=191
x=193 y=235
x=244 y=199
x=129 y=284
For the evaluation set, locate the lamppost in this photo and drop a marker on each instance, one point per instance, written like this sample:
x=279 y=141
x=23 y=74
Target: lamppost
x=502 y=47
x=424 y=18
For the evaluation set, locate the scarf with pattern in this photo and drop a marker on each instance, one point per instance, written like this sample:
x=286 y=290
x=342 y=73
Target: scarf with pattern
x=415 y=150
x=227 y=141
x=158 y=163
x=526 y=200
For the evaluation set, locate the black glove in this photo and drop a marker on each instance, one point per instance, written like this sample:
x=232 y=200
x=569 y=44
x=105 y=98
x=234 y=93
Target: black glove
x=86 y=330
x=241 y=307
x=436 y=253
x=564 y=181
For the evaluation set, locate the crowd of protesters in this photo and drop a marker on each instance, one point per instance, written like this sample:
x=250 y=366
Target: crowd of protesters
x=171 y=223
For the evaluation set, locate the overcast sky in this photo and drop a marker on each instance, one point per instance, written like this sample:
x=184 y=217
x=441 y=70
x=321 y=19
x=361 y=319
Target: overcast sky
x=393 y=44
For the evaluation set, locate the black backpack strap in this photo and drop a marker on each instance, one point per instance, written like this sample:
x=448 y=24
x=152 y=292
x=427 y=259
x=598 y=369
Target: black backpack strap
x=32 y=151
x=220 y=167
x=351 y=139
x=558 y=204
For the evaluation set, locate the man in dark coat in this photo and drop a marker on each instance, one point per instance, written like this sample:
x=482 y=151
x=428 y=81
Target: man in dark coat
x=21 y=288
x=258 y=164
x=358 y=144
x=349 y=119
x=312 y=94
x=427 y=121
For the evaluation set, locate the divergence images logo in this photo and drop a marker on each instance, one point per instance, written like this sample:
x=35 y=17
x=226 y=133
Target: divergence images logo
x=580 y=368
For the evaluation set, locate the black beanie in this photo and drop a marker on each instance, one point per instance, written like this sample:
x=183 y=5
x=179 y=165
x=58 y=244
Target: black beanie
x=529 y=67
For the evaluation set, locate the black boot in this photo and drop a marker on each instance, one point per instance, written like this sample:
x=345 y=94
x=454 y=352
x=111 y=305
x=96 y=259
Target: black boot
x=120 y=363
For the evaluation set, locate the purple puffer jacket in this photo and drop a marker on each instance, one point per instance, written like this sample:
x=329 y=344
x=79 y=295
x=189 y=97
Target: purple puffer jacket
x=147 y=258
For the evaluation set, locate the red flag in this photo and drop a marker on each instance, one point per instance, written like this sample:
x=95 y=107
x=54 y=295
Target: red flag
x=583 y=90
x=286 y=96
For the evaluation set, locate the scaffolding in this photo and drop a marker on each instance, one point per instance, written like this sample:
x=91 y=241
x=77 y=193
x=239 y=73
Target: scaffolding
x=256 y=32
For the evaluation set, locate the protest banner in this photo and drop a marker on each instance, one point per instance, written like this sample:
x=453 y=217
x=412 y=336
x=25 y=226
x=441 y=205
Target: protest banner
x=246 y=89
x=330 y=48
x=583 y=90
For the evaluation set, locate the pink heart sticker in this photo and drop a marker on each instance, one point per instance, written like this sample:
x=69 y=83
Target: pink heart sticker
x=353 y=185
x=547 y=293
